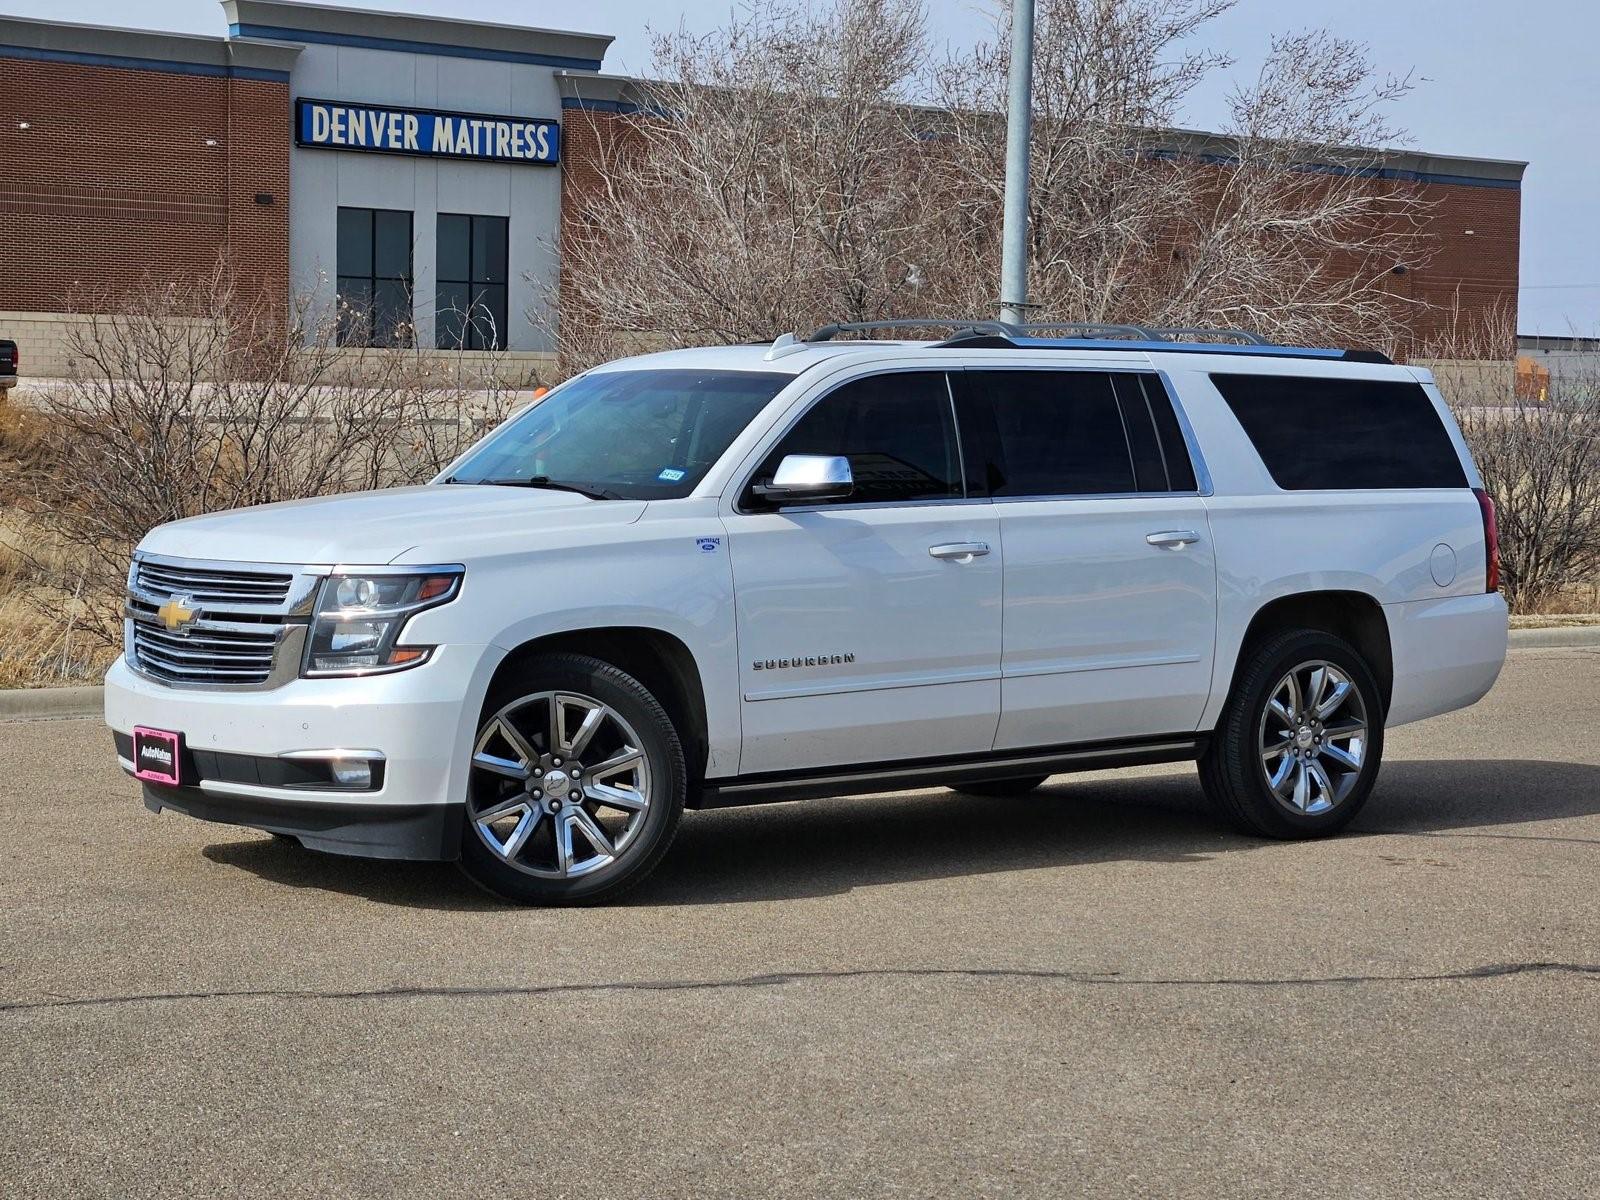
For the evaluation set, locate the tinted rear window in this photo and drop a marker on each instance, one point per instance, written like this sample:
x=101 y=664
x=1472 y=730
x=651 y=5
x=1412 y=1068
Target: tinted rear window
x=1337 y=434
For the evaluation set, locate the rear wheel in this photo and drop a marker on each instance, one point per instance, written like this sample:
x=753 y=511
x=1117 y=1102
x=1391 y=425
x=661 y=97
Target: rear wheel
x=576 y=786
x=1000 y=787
x=1297 y=750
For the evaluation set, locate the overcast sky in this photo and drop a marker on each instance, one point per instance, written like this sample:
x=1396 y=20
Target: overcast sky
x=1495 y=80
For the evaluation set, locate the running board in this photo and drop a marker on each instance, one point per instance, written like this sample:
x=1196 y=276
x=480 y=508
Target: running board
x=850 y=781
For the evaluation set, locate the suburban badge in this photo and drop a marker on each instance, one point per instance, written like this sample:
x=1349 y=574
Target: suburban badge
x=801 y=660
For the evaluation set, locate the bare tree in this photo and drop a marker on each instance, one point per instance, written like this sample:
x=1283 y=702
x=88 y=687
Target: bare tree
x=1278 y=224
x=784 y=174
x=774 y=186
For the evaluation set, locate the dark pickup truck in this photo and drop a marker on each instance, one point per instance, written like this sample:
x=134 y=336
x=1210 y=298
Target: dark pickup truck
x=8 y=364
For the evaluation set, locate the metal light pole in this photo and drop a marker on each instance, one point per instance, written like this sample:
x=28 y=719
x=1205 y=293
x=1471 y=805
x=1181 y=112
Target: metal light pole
x=1019 y=134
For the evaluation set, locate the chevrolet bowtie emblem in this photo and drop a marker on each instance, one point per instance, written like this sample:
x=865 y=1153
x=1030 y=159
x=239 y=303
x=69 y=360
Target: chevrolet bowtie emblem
x=176 y=614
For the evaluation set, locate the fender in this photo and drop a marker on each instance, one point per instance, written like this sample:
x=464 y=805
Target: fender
x=667 y=573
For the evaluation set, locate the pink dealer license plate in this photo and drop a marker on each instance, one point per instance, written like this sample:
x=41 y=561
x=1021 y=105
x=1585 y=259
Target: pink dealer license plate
x=157 y=756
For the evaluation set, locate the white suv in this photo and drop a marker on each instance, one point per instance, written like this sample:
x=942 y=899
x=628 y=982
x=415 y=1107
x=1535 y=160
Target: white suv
x=742 y=574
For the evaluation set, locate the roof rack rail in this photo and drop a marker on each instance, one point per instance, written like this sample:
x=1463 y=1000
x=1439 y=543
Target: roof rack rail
x=999 y=335
x=1148 y=333
x=1094 y=329
x=1191 y=333
x=1082 y=329
x=829 y=332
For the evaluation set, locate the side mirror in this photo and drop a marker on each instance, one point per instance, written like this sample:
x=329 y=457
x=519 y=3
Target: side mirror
x=801 y=477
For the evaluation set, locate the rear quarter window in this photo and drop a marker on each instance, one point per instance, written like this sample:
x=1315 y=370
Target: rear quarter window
x=1322 y=434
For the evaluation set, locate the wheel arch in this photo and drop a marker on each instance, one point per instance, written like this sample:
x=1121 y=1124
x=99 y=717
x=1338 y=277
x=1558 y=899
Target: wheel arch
x=1355 y=616
x=658 y=659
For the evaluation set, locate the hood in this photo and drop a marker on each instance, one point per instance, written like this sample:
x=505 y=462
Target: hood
x=374 y=528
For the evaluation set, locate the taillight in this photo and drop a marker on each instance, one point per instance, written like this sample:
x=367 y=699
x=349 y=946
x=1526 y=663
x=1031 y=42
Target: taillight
x=1491 y=540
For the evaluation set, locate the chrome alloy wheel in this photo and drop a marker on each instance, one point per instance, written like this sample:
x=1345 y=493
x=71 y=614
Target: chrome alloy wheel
x=1313 y=738
x=560 y=785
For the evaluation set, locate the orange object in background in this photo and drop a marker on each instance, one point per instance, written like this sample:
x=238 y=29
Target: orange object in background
x=1533 y=381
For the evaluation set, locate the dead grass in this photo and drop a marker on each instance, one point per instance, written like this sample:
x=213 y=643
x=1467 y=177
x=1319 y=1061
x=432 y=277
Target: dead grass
x=44 y=641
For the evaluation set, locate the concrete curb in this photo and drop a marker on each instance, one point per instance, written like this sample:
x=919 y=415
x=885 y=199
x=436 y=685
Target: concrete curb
x=31 y=704
x=1555 y=635
x=28 y=704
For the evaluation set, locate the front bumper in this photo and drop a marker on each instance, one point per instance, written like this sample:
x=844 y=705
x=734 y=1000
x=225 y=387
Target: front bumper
x=414 y=832
x=420 y=722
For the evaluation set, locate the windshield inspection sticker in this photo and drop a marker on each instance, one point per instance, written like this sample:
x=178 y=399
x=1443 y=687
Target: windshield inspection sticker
x=670 y=475
x=708 y=545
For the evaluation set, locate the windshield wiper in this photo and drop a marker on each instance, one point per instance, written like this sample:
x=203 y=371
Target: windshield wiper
x=544 y=481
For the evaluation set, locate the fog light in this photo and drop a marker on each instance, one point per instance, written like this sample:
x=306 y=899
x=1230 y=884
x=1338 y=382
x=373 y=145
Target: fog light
x=351 y=772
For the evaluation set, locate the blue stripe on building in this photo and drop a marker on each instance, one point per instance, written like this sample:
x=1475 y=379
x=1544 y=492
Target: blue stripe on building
x=143 y=64
x=1228 y=160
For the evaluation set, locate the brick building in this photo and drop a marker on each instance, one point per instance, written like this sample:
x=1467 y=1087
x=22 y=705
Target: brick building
x=413 y=167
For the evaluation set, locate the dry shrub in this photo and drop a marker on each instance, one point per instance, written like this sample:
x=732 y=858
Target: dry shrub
x=1541 y=463
x=188 y=398
x=43 y=636
x=1540 y=460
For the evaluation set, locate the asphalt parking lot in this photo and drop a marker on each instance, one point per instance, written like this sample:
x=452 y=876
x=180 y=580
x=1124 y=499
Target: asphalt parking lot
x=1093 y=991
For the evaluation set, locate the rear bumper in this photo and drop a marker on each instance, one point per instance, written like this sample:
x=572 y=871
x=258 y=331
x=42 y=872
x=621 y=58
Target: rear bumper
x=1447 y=653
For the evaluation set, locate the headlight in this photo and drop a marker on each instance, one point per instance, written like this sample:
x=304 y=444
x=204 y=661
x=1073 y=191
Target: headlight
x=359 y=618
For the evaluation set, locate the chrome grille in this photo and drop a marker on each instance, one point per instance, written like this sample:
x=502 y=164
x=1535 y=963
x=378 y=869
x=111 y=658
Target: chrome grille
x=217 y=624
x=203 y=655
x=218 y=585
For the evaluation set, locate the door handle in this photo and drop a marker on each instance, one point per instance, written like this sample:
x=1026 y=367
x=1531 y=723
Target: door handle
x=961 y=552
x=1173 y=539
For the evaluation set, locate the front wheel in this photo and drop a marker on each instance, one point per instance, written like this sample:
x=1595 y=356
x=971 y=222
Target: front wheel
x=576 y=787
x=1297 y=749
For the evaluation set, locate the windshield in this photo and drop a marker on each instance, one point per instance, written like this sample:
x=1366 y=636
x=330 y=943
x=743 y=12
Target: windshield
x=626 y=435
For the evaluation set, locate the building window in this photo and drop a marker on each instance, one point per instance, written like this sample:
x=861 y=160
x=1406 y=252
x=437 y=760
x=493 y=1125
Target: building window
x=374 y=277
x=469 y=310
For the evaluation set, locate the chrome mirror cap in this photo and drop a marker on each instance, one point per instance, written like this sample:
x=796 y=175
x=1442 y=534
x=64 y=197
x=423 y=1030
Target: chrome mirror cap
x=813 y=474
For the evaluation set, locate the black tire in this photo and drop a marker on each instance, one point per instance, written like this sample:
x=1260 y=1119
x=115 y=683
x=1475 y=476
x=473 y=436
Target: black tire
x=1000 y=787
x=663 y=753
x=1233 y=770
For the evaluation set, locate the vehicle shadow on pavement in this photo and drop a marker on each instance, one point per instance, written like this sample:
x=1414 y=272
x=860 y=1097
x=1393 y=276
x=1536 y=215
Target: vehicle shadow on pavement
x=832 y=846
x=826 y=847
x=436 y=886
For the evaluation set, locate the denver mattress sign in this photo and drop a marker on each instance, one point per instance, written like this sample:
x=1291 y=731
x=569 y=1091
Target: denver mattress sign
x=331 y=125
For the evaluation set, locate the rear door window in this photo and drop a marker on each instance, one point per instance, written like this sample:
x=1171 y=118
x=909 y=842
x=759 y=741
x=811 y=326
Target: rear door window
x=1066 y=433
x=1329 y=434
